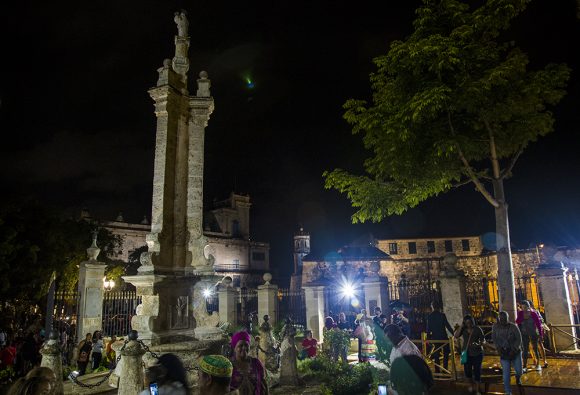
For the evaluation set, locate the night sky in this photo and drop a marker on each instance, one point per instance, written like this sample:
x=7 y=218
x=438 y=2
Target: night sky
x=78 y=128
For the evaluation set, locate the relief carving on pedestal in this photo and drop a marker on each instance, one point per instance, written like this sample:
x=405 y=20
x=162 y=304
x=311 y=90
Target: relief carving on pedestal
x=179 y=314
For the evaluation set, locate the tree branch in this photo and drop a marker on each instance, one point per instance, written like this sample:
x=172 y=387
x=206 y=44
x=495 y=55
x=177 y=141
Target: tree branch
x=480 y=187
x=507 y=171
x=462 y=183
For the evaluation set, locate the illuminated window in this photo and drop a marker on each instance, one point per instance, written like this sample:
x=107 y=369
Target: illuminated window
x=393 y=248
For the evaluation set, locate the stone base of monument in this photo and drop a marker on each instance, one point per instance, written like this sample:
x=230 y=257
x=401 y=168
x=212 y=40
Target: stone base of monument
x=209 y=333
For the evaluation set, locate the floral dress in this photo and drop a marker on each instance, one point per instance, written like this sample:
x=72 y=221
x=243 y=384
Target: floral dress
x=251 y=381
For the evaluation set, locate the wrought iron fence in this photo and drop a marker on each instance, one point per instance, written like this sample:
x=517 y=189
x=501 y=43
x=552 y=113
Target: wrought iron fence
x=212 y=303
x=247 y=304
x=291 y=303
x=118 y=309
x=65 y=310
x=483 y=296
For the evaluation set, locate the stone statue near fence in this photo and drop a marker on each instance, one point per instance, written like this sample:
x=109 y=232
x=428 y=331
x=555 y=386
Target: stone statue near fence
x=288 y=359
x=268 y=352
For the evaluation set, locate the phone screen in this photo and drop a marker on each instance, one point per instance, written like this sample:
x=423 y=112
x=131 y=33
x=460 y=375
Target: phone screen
x=382 y=389
x=153 y=390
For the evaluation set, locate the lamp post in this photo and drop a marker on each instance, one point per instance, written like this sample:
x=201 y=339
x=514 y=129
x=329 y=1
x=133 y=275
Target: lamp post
x=108 y=285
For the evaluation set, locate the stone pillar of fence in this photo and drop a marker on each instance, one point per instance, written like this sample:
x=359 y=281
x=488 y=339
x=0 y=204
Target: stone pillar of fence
x=131 y=376
x=376 y=290
x=227 y=302
x=453 y=292
x=52 y=359
x=267 y=299
x=557 y=304
x=315 y=302
x=90 y=310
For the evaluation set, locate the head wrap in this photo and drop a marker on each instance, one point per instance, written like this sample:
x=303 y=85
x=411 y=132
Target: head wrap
x=242 y=335
x=216 y=365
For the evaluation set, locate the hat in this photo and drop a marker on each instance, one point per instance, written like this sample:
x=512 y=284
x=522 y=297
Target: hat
x=216 y=365
x=241 y=335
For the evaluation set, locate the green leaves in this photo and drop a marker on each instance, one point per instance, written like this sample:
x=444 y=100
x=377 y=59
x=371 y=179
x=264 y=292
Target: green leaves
x=438 y=98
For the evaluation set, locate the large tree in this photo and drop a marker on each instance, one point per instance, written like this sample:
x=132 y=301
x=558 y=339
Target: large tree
x=452 y=104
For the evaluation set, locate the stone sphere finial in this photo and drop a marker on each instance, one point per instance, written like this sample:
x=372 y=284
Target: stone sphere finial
x=133 y=335
x=166 y=63
x=227 y=281
x=450 y=259
x=267 y=278
x=374 y=267
x=203 y=75
x=53 y=335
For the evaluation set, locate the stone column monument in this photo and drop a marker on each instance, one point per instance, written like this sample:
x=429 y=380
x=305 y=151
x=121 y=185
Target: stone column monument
x=177 y=267
x=91 y=273
x=315 y=302
x=376 y=289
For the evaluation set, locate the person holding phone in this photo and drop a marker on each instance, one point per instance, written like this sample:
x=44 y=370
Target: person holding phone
x=167 y=377
x=473 y=340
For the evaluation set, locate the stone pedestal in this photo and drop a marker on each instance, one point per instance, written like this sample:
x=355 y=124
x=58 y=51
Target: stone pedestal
x=91 y=274
x=52 y=358
x=227 y=304
x=376 y=293
x=267 y=299
x=453 y=295
x=131 y=375
x=315 y=304
x=557 y=304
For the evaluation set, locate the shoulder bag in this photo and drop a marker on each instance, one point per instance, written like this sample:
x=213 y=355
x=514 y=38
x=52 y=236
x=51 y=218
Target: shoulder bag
x=464 y=353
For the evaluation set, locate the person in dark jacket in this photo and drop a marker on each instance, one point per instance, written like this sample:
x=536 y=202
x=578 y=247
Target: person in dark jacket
x=507 y=340
x=473 y=340
x=437 y=328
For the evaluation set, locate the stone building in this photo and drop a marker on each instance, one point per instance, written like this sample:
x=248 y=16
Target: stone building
x=227 y=229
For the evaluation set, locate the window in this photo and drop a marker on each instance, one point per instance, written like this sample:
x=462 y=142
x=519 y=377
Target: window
x=430 y=246
x=236 y=263
x=448 y=246
x=258 y=256
x=235 y=228
x=412 y=247
x=465 y=244
x=393 y=248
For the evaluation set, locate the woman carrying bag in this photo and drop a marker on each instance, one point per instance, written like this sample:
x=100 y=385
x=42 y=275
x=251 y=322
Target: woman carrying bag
x=472 y=351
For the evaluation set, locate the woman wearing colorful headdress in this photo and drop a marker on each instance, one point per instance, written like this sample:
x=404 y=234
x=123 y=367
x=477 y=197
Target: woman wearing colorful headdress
x=249 y=375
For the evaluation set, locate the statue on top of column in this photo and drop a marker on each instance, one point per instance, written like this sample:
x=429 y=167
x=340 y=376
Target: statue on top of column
x=182 y=23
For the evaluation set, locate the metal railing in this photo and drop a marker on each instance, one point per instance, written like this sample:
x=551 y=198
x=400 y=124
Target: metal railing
x=559 y=329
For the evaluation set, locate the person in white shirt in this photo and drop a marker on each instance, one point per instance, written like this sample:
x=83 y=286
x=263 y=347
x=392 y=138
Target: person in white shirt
x=402 y=346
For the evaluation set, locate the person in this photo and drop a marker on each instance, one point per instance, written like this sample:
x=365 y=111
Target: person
x=7 y=356
x=545 y=328
x=531 y=329
x=342 y=323
x=110 y=355
x=367 y=340
x=437 y=328
x=410 y=375
x=473 y=340
x=329 y=323
x=248 y=376
x=45 y=373
x=214 y=373
x=31 y=386
x=402 y=346
x=309 y=345
x=508 y=343
x=170 y=376
x=400 y=320
x=97 y=349
x=377 y=317
x=85 y=347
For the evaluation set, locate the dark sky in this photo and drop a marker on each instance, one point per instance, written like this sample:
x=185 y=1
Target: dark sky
x=78 y=128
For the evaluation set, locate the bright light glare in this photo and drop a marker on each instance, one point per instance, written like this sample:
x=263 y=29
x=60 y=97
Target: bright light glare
x=347 y=290
x=207 y=293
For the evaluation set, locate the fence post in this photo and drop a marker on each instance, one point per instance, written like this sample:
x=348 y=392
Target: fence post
x=267 y=300
x=452 y=356
x=52 y=359
x=315 y=302
x=131 y=375
x=453 y=293
x=376 y=290
x=227 y=303
x=557 y=305
x=90 y=309
x=553 y=339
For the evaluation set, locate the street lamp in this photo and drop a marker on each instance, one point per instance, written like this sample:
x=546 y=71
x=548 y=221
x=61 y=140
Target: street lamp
x=108 y=284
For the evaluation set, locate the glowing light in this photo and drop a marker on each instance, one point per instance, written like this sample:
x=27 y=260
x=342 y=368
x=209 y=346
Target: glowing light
x=249 y=83
x=207 y=293
x=347 y=290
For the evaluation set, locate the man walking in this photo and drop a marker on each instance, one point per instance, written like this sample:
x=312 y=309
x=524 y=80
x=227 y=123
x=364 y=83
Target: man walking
x=437 y=327
x=508 y=343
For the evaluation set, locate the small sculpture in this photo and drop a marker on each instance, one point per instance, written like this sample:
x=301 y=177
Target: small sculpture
x=268 y=352
x=182 y=23
x=288 y=365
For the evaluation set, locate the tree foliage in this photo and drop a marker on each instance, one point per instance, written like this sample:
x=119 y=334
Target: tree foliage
x=452 y=104
x=36 y=242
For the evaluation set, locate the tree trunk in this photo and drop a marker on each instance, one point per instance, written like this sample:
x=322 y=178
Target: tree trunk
x=505 y=271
